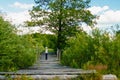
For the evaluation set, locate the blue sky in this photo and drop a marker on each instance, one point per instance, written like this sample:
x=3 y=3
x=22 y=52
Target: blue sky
x=113 y=4
x=107 y=10
x=6 y=5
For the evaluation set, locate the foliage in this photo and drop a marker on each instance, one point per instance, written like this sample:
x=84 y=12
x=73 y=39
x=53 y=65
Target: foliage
x=62 y=17
x=74 y=54
x=96 y=76
x=45 y=40
x=98 y=51
x=15 y=51
x=18 y=77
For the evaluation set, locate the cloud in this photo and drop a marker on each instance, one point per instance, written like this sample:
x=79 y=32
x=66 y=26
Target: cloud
x=21 y=16
x=18 y=17
x=107 y=16
x=22 y=5
x=110 y=17
x=96 y=9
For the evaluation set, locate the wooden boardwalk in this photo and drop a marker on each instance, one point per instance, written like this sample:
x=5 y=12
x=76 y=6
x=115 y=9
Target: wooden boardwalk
x=48 y=69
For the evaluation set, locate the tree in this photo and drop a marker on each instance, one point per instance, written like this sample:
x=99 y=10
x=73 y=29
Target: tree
x=62 y=17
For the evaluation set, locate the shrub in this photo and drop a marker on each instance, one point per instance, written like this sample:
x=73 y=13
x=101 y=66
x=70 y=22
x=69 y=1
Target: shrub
x=19 y=51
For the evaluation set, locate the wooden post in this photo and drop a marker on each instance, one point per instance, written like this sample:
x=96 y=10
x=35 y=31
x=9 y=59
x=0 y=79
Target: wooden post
x=58 y=54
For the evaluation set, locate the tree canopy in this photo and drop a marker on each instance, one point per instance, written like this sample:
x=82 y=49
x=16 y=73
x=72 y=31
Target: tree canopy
x=62 y=17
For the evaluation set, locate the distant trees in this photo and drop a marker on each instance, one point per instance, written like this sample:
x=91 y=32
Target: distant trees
x=45 y=40
x=62 y=17
x=15 y=51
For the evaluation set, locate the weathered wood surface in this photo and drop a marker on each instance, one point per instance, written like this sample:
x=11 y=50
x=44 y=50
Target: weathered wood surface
x=49 y=68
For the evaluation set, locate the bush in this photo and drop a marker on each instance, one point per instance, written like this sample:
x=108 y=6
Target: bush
x=99 y=50
x=96 y=76
x=19 y=51
x=77 y=53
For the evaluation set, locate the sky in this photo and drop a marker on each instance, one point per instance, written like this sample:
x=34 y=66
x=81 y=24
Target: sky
x=16 y=11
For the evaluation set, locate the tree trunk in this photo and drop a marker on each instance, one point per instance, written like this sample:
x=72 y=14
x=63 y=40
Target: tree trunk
x=59 y=41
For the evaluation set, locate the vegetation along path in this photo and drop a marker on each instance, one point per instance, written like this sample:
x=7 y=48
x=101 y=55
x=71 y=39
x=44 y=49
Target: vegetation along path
x=49 y=68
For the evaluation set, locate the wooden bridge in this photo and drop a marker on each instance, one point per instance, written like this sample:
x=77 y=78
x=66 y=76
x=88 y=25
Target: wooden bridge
x=46 y=69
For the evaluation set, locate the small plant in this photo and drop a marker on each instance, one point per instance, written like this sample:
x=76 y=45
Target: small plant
x=96 y=76
x=18 y=77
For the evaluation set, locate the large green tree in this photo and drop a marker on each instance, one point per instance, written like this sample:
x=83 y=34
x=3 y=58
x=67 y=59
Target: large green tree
x=62 y=17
